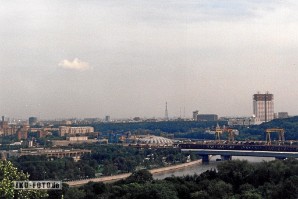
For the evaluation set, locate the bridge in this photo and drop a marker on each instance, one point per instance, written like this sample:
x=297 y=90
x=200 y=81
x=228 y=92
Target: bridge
x=226 y=151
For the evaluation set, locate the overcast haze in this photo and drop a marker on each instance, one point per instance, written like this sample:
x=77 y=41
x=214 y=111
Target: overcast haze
x=61 y=59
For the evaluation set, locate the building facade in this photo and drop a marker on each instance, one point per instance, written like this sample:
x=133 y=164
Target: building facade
x=283 y=115
x=207 y=117
x=33 y=121
x=6 y=129
x=68 y=130
x=242 y=121
x=107 y=118
x=263 y=107
x=195 y=115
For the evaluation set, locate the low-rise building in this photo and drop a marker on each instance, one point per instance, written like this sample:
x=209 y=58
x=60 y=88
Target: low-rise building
x=282 y=115
x=81 y=138
x=68 y=130
x=243 y=121
x=207 y=117
x=77 y=140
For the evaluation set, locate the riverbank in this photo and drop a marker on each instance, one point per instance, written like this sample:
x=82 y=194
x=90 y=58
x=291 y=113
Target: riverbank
x=107 y=179
x=175 y=167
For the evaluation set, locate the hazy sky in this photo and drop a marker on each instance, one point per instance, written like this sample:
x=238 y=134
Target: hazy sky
x=126 y=58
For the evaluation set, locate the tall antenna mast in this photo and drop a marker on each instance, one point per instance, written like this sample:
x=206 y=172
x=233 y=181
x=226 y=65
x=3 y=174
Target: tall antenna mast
x=166 y=112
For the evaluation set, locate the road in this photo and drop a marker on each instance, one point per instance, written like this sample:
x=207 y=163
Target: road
x=114 y=178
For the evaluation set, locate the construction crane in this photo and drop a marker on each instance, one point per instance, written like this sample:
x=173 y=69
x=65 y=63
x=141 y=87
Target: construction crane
x=231 y=134
x=281 y=135
x=218 y=132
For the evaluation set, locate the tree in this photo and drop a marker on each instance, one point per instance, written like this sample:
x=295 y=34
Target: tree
x=8 y=174
x=141 y=176
x=109 y=169
x=220 y=189
x=251 y=195
x=74 y=193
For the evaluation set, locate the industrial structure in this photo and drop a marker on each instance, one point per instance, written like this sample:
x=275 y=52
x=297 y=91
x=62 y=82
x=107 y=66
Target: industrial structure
x=218 y=132
x=166 y=112
x=231 y=148
x=231 y=134
x=281 y=135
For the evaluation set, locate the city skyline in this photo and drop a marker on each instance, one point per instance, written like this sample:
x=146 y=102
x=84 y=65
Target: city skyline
x=127 y=58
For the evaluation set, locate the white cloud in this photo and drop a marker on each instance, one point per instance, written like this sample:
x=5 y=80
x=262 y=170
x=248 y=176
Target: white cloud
x=75 y=64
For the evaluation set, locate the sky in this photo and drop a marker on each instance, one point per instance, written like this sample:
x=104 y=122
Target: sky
x=127 y=58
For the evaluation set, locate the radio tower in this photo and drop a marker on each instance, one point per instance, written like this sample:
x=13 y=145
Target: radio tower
x=166 y=112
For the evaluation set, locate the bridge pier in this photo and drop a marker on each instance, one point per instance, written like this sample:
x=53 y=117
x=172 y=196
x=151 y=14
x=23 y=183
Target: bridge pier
x=280 y=158
x=205 y=158
x=226 y=157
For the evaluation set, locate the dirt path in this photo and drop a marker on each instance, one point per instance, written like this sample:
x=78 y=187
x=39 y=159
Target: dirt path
x=123 y=176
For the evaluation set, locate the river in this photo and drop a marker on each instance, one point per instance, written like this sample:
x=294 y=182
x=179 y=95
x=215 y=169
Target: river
x=198 y=169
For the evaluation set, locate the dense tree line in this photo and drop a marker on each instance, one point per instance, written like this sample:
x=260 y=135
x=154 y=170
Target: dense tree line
x=165 y=126
x=233 y=180
x=42 y=167
x=196 y=129
x=104 y=160
x=289 y=124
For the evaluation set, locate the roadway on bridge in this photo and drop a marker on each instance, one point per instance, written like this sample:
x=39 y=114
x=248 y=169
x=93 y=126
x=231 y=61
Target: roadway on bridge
x=276 y=154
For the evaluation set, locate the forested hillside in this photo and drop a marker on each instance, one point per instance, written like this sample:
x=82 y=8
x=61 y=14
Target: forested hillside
x=196 y=130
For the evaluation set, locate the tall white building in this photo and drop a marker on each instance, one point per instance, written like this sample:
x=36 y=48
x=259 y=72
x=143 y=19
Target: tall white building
x=195 y=115
x=263 y=107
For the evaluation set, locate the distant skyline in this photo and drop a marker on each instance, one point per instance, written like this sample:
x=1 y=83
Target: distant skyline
x=126 y=58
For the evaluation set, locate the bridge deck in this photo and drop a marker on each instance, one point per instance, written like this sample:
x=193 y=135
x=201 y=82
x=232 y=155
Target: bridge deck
x=276 y=154
x=277 y=151
x=282 y=148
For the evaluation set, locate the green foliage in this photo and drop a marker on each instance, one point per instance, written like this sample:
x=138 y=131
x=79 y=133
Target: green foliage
x=236 y=172
x=195 y=130
x=75 y=193
x=141 y=176
x=105 y=160
x=289 y=124
x=232 y=180
x=8 y=174
x=158 y=127
x=42 y=167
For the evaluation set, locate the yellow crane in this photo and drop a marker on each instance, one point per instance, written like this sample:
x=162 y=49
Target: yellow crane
x=218 y=132
x=231 y=134
x=281 y=135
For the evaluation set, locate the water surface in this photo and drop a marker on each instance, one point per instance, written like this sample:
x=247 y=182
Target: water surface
x=200 y=168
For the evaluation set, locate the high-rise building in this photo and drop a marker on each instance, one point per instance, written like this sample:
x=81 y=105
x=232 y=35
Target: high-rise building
x=22 y=132
x=195 y=115
x=33 y=121
x=263 y=107
x=107 y=118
